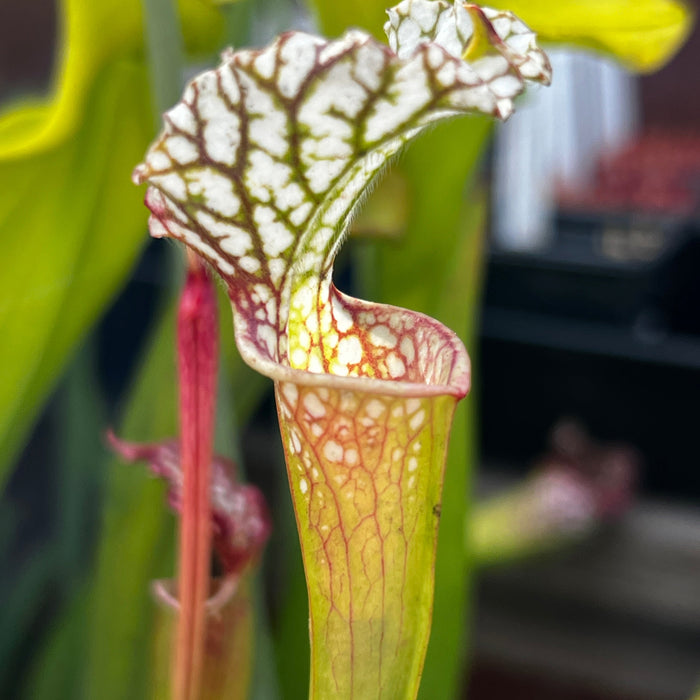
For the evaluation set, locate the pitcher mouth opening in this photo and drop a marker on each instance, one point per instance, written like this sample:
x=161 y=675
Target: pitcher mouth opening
x=416 y=357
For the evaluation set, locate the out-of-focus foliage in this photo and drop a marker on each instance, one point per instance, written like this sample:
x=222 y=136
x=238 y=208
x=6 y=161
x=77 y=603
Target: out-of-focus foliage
x=100 y=646
x=93 y=34
x=70 y=230
x=71 y=223
x=137 y=541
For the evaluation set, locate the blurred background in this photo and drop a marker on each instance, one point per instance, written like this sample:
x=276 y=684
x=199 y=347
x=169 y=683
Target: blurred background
x=590 y=314
x=592 y=311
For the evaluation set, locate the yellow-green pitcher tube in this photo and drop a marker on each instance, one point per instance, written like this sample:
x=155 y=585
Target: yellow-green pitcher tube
x=367 y=494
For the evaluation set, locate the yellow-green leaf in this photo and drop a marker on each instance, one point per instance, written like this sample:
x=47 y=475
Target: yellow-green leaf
x=93 y=33
x=70 y=228
x=335 y=17
x=642 y=34
x=70 y=223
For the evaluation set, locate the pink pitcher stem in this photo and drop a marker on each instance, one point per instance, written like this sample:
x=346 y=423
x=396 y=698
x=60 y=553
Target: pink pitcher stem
x=197 y=345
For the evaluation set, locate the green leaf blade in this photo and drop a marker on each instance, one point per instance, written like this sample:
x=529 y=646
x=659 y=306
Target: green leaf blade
x=74 y=267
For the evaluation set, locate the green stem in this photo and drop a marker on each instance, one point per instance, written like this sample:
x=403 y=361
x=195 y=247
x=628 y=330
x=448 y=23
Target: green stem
x=165 y=53
x=264 y=682
x=229 y=418
x=136 y=539
x=82 y=472
x=237 y=20
x=366 y=270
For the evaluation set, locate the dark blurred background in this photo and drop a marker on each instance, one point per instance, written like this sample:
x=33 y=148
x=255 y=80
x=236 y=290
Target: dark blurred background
x=593 y=313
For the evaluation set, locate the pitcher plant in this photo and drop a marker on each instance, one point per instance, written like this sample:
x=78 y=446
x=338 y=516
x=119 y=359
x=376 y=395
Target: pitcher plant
x=259 y=170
